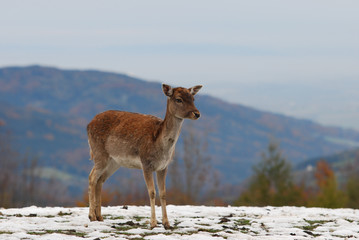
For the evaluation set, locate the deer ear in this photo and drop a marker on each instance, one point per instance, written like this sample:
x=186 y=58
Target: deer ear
x=194 y=90
x=167 y=89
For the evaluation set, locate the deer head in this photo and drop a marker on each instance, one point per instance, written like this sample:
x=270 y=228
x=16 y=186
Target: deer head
x=180 y=101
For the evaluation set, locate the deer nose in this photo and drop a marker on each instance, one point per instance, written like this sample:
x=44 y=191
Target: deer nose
x=196 y=114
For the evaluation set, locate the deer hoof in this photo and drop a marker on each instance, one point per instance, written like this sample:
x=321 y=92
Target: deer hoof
x=153 y=224
x=167 y=226
x=92 y=217
x=99 y=218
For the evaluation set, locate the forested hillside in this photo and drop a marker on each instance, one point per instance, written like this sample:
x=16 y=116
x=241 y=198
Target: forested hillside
x=46 y=110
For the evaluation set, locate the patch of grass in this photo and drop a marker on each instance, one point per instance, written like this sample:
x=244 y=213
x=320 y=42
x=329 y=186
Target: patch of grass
x=189 y=232
x=127 y=226
x=204 y=224
x=210 y=230
x=181 y=233
x=122 y=228
x=64 y=214
x=116 y=233
x=5 y=232
x=111 y=217
x=145 y=234
x=7 y=215
x=125 y=233
x=242 y=221
x=225 y=218
x=20 y=215
x=317 y=222
x=346 y=237
x=311 y=233
x=36 y=233
x=138 y=218
x=71 y=232
x=309 y=228
x=217 y=235
x=244 y=230
x=233 y=228
x=63 y=221
x=176 y=222
x=313 y=224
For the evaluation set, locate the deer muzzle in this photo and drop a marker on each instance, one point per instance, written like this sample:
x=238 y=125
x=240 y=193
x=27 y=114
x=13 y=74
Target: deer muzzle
x=196 y=114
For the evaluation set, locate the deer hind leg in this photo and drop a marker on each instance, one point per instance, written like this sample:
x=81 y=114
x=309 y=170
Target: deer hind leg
x=112 y=167
x=148 y=175
x=96 y=179
x=98 y=190
x=161 y=182
x=93 y=198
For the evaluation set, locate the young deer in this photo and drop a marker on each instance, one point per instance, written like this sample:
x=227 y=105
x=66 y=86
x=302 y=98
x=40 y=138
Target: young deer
x=123 y=139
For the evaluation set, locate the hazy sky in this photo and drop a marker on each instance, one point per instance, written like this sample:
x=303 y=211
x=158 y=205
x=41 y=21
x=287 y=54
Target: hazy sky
x=300 y=58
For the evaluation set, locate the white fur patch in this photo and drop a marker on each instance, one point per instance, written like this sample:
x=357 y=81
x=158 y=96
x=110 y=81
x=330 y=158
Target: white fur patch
x=128 y=161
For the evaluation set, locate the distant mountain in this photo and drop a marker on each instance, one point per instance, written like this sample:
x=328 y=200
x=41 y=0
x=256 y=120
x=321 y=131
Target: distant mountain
x=47 y=110
x=344 y=164
x=337 y=159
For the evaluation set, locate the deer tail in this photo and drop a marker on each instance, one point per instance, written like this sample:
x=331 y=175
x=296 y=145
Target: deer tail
x=91 y=153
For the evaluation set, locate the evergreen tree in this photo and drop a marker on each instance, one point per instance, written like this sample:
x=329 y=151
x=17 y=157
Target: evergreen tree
x=352 y=191
x=272 y=182
x=352 y=184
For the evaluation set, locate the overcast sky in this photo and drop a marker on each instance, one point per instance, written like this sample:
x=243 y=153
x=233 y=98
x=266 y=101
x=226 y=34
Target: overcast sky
x=299 y=58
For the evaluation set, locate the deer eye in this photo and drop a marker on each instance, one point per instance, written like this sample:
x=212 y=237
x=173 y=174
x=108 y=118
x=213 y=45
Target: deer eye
x=178 y=100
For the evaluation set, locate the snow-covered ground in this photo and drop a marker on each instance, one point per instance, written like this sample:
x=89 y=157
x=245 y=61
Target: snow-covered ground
x=188 y=222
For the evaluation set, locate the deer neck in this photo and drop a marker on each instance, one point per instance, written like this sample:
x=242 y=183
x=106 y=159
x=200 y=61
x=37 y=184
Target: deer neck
x=171 y=128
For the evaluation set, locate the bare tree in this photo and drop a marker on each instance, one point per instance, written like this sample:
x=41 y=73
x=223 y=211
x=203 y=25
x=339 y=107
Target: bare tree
x=175 y=173
x=8 y=168
x=197 y=180
x=21 y=182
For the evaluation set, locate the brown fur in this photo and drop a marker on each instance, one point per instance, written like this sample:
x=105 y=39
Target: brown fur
x=132 y=140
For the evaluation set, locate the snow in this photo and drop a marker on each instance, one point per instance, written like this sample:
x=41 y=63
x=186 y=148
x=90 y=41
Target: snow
x=188 y=222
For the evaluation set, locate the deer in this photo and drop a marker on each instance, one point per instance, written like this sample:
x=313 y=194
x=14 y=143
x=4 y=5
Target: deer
x=133 y=140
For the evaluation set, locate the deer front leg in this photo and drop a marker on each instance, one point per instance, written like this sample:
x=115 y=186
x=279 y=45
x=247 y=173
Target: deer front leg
x=148 y=175
x=161 y=182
